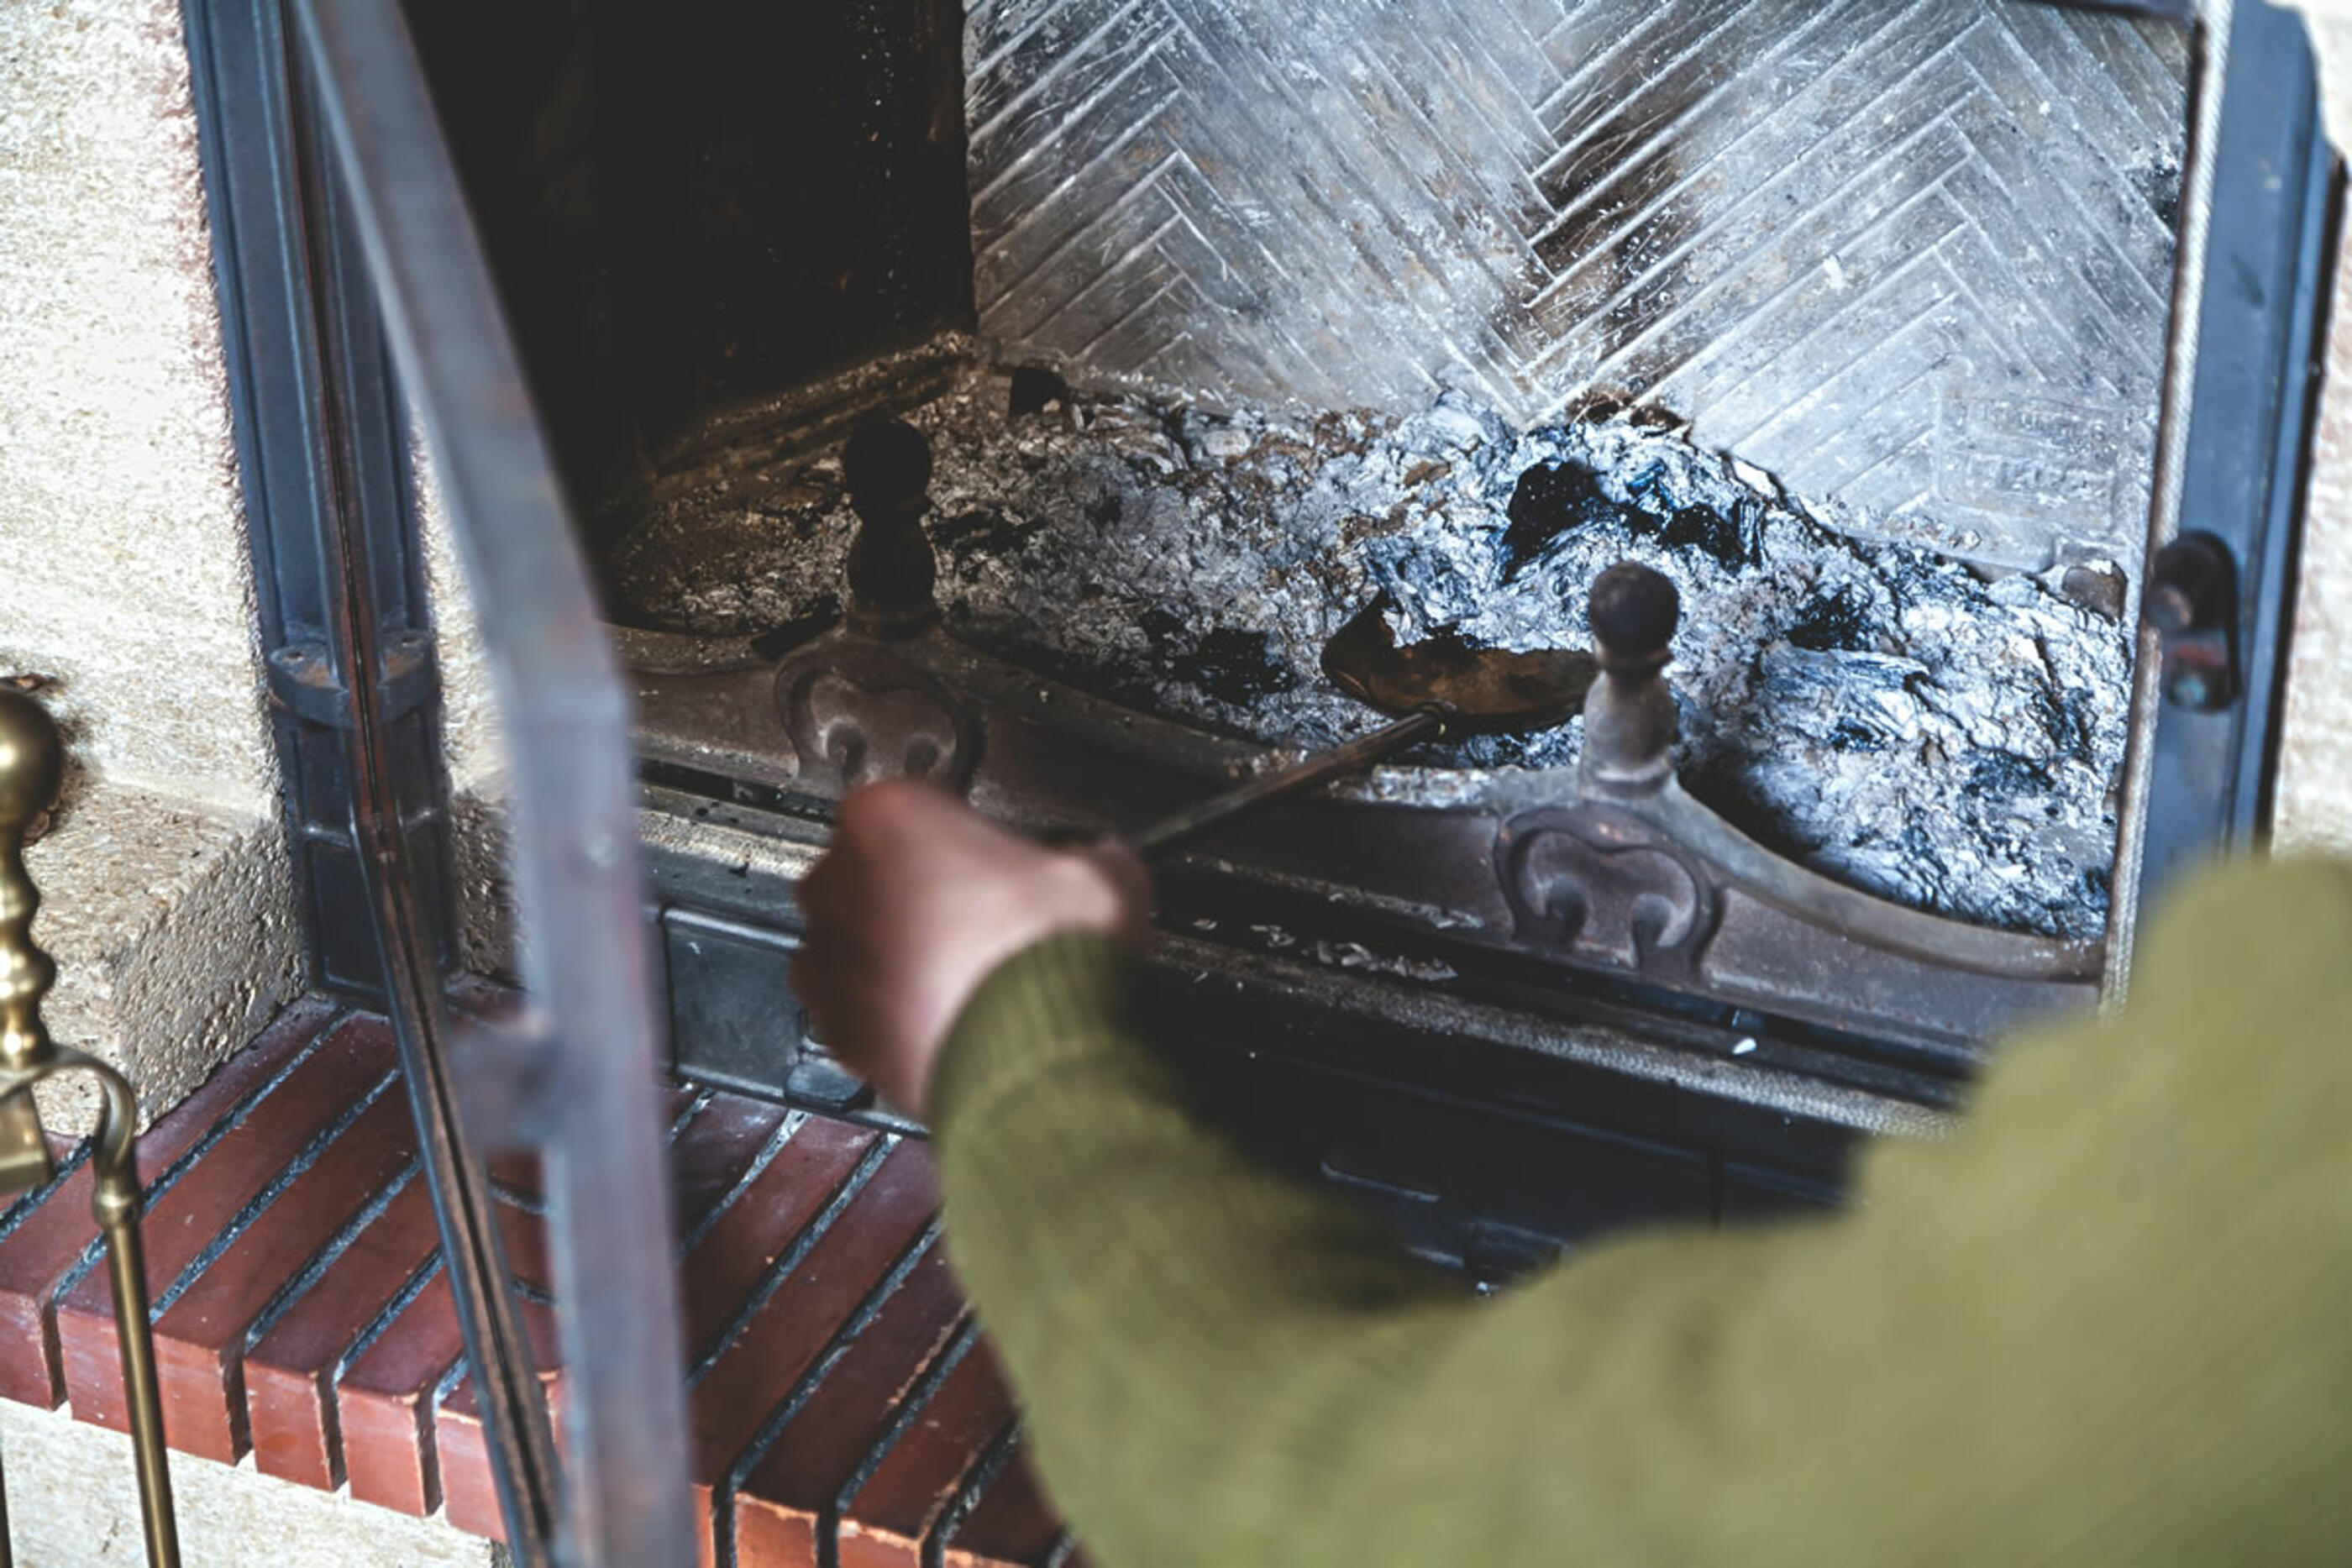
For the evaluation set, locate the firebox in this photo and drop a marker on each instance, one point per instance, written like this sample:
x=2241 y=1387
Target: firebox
x=1222 y=325
x=1951 y=358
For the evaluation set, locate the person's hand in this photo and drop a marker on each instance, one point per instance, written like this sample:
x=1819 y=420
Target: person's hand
x=916 y=901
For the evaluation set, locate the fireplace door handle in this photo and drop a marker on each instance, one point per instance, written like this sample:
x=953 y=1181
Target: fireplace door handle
x=30 y=762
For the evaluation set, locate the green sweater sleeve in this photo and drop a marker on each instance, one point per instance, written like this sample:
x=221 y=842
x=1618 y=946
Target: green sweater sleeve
x=2106 y=1321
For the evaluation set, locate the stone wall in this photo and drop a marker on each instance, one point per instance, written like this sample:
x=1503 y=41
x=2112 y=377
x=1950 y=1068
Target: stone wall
x=124 y=576
x=473 y=748
x=73 y=1502
x=122 y=557
x=2315 y=784
x=125 y=583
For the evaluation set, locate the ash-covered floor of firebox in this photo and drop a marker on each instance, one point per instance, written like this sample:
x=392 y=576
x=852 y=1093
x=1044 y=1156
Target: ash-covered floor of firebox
x=1885 y=716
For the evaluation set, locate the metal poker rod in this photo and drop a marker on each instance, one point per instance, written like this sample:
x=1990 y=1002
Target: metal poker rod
x=1441 y=686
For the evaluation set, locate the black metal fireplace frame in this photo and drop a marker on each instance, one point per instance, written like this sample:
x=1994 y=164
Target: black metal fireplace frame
x=2272 y=226
x=342 y=242
x=332 y=199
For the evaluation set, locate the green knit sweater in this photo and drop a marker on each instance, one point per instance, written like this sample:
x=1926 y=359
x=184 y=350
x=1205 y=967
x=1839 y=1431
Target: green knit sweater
x=2110 y=1320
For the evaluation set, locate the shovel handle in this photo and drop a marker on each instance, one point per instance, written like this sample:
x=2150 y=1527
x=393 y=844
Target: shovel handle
x=1340 y=761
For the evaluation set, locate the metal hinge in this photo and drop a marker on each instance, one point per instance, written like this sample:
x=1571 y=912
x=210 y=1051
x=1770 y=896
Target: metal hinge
x=304 y=680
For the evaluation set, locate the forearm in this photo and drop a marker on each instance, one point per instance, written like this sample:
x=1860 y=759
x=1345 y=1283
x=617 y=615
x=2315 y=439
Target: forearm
x=1193 y=1337
x=1222 y=1367
x=2101 y=1323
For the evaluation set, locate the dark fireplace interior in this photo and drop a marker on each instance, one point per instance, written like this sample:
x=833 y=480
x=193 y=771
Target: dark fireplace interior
x=692 y=215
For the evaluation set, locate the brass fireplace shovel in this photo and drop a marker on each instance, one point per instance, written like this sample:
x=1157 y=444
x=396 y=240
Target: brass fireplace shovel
x=30 y=759
x=1440 y=686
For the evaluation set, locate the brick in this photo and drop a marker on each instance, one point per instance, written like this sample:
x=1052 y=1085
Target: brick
x=711 y=1155
x=315 y=1406
x=227 y=1176
x=1012 y=1521
x=516 y=1173
x=289 y=1395
x=762 y=1222
x=384 y=1401
x=762 y=1219
x=783 y=1339
x=469 y=1493
x=708 y=1159
x=200 y=1341
x=906 y=1497
x=42 y=1244
x=789 y=1497
x=476 y=1001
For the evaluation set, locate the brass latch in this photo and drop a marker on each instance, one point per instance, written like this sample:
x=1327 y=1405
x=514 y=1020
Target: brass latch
x=30 y=763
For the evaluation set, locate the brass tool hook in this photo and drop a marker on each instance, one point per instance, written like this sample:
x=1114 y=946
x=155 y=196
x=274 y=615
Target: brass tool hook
x=31 y=761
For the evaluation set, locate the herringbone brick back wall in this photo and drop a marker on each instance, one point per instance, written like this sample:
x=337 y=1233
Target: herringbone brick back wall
x=1913 y=256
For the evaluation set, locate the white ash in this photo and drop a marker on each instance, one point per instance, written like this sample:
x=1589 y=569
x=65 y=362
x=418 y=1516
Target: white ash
x=1881 y=714
x=1352 y=956
x=1396 y=966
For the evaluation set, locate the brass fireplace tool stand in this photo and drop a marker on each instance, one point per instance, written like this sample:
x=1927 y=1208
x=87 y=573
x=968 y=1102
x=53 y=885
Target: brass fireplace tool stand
x=30 y=763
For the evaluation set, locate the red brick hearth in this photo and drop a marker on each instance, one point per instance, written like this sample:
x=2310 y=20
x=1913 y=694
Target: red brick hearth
x=839 y=1387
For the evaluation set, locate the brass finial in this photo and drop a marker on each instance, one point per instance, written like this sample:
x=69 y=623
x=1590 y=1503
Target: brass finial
x=31 y=761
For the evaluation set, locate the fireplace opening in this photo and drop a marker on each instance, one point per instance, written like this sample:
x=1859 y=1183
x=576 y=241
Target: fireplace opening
x=1884 y=715
x=728 y=237
x=1219 y=331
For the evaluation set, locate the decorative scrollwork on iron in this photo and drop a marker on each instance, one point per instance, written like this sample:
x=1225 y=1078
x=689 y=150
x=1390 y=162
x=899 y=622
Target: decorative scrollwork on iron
x=856 y=714
x=1598 y=883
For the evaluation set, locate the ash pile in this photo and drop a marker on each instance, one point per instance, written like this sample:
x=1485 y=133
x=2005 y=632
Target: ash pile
x=1881 y=714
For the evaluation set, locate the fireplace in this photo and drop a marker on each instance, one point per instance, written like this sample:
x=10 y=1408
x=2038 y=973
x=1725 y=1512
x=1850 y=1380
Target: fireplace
x=1855 y=323
x=1909 y=340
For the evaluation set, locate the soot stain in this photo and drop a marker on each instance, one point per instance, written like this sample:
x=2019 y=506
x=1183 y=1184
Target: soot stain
x=980 y=531
x=2160 y=184
x=1548 y=502
x=1236 y=665
x=2004 y=774
x=1033 y=390
x=1850 y=735
x=1555 y=500
x=1837 y=622
x=1703 y=528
